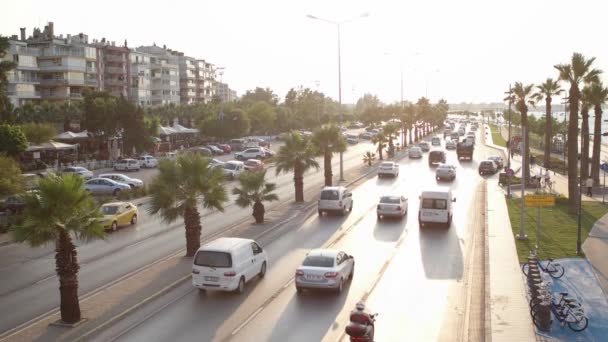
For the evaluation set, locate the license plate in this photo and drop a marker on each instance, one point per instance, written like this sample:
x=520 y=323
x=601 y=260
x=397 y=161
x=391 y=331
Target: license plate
x=211 y=278
x=313 y=277
x=428 y=214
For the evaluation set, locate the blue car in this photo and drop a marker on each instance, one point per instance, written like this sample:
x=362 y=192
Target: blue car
x=104 y=186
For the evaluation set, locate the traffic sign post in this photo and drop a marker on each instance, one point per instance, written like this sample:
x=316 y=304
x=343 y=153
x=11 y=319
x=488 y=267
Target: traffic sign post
x=539 y=201
x=509 y=172
x=604 y=167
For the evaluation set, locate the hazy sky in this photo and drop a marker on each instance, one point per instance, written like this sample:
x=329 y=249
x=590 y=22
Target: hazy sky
x=466 y=51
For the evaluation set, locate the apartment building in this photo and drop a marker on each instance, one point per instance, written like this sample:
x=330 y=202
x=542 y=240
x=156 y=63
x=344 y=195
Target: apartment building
x=187 y=78
x=223 y=91
x=164 y=75
x=205 y=80
x=113 y=66
x=141 y=91
x=23 y=82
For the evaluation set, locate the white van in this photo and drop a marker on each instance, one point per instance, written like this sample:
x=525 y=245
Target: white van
x=335 y=198
x=226 y=264
x=436 y=207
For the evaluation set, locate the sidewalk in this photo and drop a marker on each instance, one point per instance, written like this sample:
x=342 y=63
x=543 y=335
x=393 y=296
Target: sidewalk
x=595 y=248
x=508 y=318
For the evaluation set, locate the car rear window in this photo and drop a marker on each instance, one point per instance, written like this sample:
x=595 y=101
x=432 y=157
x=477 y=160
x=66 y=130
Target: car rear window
x=329 y=195
x=318 y=261
x=213 y=259
x=386 y=165
x=390 y=199
x=431 y=203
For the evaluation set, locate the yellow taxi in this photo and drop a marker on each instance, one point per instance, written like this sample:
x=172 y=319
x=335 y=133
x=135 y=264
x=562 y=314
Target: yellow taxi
x=117 y=214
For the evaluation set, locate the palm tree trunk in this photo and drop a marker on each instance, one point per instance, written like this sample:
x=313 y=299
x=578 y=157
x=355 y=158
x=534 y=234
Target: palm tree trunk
x=410 y=135
x=526 y=152
x=192 y=222
x=585 y=143
x=403 y=140
x=66 y=265
x=597 y=143
x=380 y=150
x=327 y=167
x=573 y=186
x=298 y=182
x=548 y=133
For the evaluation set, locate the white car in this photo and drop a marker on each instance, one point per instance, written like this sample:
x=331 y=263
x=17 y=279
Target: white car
x=414 y=152
x=132 y=182
x=232 y=169
x=215 y=163
x=445 y=171
x=126 y=165
x=335 y=198
x=394 y=205
x=251 y=153
x=147 y=161
x=450 y=145
x=388 y=169
x=325 y=269
x=79 y=170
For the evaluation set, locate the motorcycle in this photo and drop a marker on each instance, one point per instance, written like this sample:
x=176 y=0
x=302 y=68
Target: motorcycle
x=361 y=330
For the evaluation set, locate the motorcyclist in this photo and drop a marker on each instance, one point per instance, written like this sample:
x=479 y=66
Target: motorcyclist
x=360 y=316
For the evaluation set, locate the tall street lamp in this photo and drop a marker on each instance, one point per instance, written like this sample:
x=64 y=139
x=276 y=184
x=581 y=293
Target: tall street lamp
x=510 y=99
x=338 y=24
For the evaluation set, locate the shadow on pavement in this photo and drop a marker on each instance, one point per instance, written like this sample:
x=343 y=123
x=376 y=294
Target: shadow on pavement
x=441 y=255
x=390 y=228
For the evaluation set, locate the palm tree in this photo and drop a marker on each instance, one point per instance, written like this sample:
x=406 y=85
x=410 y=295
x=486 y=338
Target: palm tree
x=180 y=187
x=297 y=155
x=369 y=157
x=60 y=211
x=523 y=97
x=253 y=192
x=328 y=140
x=579 y=70
x=380 y=139
x=598 y=96
x=546 y=91
x=390 y=131
x=585 y=105
x=407 y=119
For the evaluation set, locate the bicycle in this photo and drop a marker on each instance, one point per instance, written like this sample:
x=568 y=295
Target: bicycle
x=554 y=269
x=569 y=313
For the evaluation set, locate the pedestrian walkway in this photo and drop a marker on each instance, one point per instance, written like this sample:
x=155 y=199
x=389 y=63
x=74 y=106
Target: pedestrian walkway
x=595 y=248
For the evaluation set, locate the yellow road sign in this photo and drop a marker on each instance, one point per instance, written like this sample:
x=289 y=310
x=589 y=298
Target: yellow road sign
x=539 y=201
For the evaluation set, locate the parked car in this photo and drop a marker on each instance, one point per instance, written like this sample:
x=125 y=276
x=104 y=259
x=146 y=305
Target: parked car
x=237 y=144
x=352 y=139
x=127 y=165
x=414 y=152
x=498 y=160
x=424 y=146
x=232 y=169
x=268 y=152
x=225 y=147
x=253 y=165
x=325 y=269
x=445 y=171
x=171 y=156
x=251 y=153
x=147 y=161
x=101 y=186
x=366 y=135
x=117 y=214
x=203 y=151
x=335 y=198
x=392 y=205
x=450 y=145
x=13 y=204
x=388 y=169
x=79 y=170
x=215 y=150
x=215 y=163
x=132 y=182
x=227 y=263
x=487 y=166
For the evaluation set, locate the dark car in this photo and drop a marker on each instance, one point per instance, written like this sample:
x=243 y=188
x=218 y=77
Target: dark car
x=498 y=160
x=13 y=204
x=215 y=150
x=436 y=157
x=225 y=147
x=487 y=166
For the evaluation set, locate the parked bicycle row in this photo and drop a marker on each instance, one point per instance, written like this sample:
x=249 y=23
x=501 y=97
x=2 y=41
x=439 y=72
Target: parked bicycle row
x=544 y=304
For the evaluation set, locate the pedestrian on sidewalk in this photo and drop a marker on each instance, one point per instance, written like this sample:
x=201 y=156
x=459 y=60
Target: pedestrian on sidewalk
x=547 y=178
x=589 y=187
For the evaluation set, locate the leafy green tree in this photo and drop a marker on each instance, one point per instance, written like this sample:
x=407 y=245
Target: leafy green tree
x=131 y=120
x=252 y=97
x=6 y=108
x=234 y=124
x=262 y=116
x=152 y=124
x=580 y=70
x=598 y=97
x=11 y=181
x=547 y=91
x=38 y=133
x=60 y=211
x=253 y=192
x=12 y=140
x=523 y=97
x=183 y=185
x=101 y=117
x=328 y=140
x=297 y=155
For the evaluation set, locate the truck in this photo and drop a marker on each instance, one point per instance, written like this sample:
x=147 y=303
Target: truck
x=464 y=149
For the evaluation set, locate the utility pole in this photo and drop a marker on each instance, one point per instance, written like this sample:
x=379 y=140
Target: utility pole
x=522 y=234
x=510 y=98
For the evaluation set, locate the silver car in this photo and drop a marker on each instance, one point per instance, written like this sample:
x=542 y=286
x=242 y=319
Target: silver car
x=326 y=269
x=414 y=152
x=395 y=206
x=98 y=186
x=445 y=171
x=424 y=146
x=450 y=145
x=132 y=182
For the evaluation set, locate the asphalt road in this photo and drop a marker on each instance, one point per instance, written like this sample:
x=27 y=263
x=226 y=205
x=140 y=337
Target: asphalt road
x=28 y=274
x=418 y=280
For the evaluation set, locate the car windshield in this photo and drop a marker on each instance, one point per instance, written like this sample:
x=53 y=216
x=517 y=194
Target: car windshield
x=109 y=209
x=229 y=166
x=329 y=195
x=213 y=259
x=390 y=199
x=318 y=261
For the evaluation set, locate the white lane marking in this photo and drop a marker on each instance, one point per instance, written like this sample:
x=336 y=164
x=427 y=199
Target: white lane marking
x=255 y=313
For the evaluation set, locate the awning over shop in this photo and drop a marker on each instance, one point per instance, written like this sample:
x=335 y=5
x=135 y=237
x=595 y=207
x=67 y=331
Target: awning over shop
x=71 y=135
x=52 y=146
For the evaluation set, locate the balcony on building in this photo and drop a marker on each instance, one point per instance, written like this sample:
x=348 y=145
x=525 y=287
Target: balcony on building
x=115 y=70
x=115 y=58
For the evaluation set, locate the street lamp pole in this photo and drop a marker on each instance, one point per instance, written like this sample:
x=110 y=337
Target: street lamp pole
x=510 y=93
x=338 y=24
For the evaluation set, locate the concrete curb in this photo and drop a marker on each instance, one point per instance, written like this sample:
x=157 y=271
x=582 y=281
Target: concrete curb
x=487 y=275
